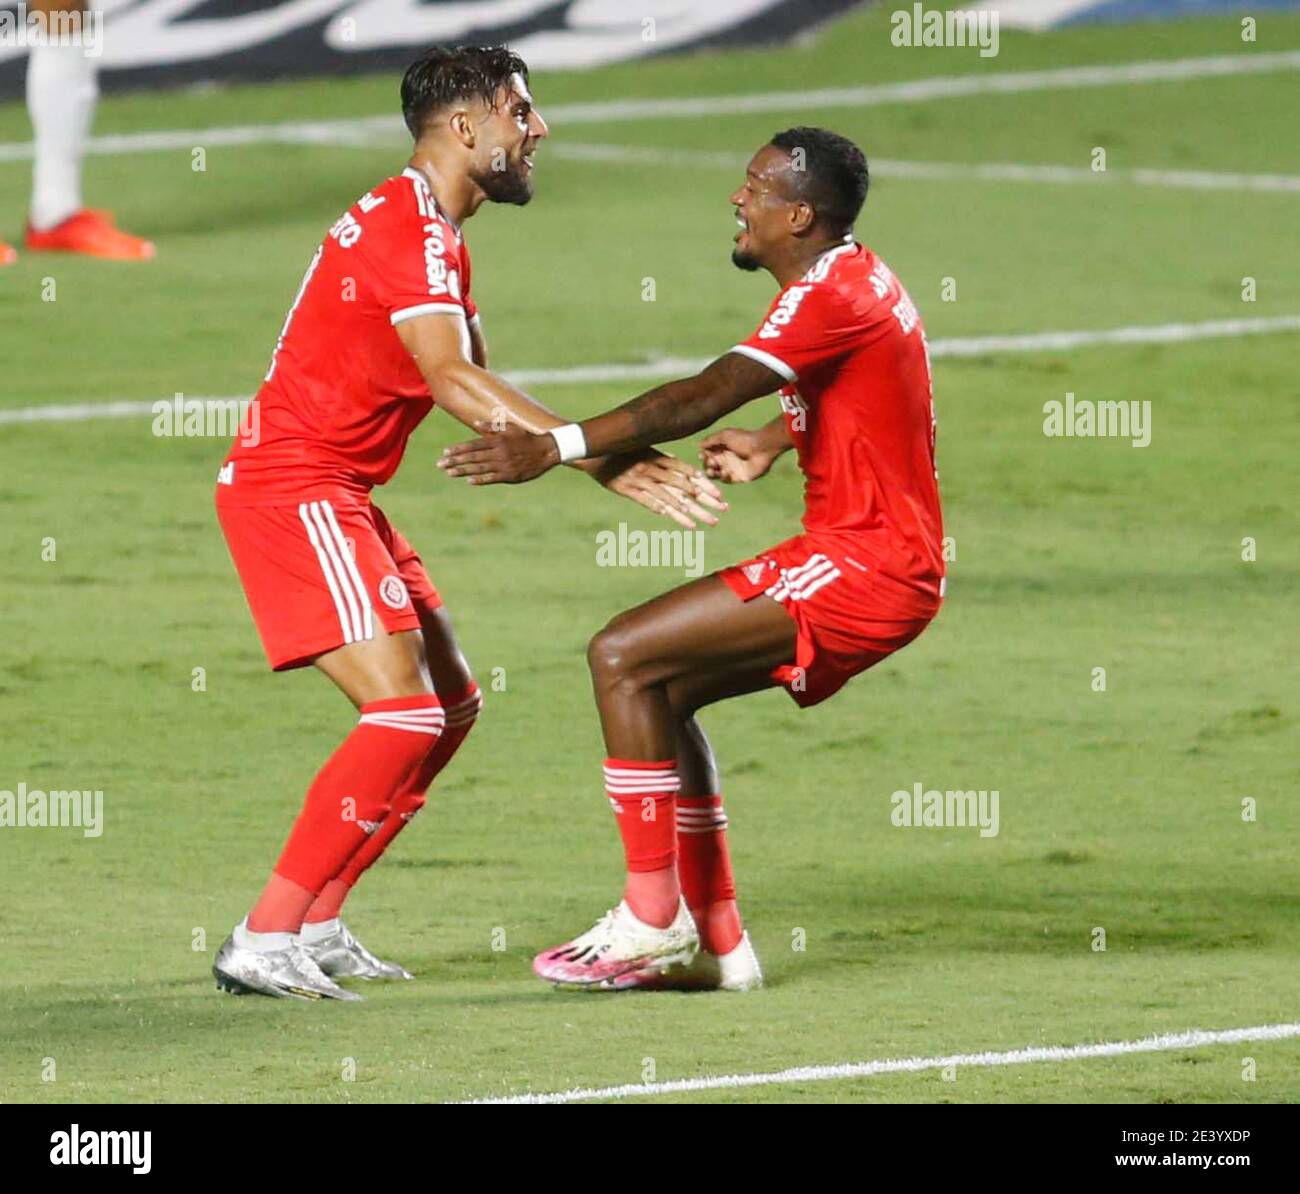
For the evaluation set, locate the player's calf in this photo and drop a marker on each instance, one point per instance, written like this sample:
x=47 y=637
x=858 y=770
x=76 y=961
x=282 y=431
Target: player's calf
x=355 y=790
x=629 y=683
x=704 y=865
x=460 y=713
x=726 y=960
x=347 y=802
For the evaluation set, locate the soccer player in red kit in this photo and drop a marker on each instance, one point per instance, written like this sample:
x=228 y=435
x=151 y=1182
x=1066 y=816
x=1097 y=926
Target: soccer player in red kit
x=383 y=328
x=843 y=344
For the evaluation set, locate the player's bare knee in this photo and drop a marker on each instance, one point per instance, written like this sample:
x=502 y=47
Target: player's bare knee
x=606 y=653
x=614 y=657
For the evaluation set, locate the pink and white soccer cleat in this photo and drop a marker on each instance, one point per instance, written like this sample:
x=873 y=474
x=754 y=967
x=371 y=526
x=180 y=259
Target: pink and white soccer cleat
x=617 y=944
x=737 y=970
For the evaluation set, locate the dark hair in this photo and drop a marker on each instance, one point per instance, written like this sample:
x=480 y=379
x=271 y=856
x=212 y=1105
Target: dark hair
x=445 y=74
x=832 y=175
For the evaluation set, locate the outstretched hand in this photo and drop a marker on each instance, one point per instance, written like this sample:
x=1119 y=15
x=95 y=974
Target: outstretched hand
x=501 y=457
x=664 y=485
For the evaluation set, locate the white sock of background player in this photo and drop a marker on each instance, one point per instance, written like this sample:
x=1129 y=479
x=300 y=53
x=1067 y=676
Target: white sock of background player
x=62 y=90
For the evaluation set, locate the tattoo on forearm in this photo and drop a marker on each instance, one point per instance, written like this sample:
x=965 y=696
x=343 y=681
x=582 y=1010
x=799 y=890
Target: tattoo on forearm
x=664 y=412
x=681 y=408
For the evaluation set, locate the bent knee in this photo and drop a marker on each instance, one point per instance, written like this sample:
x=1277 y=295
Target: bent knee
x=612 y=653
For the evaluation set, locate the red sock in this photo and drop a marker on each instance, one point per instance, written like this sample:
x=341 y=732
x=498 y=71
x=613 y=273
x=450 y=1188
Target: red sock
x=705 y=866
x=642 y=796
x=349 y=800
x=408 y=801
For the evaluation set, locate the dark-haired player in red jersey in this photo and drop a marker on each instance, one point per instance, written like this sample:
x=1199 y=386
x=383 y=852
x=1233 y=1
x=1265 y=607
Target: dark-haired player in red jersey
x=383 y=328
x=844 y=345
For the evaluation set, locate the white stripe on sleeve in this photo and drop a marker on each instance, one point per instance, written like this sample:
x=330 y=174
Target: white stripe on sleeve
x=778 y=366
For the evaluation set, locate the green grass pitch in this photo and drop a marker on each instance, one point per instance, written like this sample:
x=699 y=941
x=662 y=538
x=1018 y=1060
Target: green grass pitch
x=1120 y=810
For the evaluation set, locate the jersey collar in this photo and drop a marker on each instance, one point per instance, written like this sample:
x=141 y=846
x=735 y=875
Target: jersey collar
x=822 y=265
x=419 y=179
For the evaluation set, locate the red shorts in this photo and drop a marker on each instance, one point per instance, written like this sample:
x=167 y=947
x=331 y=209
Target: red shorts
x=848 y=615
x=323 y=574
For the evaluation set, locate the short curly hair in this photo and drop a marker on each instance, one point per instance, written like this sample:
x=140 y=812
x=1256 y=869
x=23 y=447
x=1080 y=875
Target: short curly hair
x=831 y=174
x=443 y=75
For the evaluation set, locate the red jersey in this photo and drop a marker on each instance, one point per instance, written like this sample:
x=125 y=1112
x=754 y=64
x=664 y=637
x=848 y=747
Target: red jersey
x=343 y=395
x=860 y=409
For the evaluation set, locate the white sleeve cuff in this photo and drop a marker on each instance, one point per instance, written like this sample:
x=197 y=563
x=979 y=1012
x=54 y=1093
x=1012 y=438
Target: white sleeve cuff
x=450 y=308
x=778 y=366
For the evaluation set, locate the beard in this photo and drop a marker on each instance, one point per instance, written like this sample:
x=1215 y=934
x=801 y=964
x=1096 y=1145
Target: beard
x=746 y=261
x=512 y=185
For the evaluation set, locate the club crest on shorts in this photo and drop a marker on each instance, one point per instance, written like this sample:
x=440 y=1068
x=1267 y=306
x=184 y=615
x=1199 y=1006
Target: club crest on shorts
x=392 y=592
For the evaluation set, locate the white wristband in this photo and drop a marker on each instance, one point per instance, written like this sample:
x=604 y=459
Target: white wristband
x=571 y=442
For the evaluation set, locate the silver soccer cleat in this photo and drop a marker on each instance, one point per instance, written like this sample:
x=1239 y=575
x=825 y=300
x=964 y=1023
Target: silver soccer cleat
x=284 y=973
x=341 y=955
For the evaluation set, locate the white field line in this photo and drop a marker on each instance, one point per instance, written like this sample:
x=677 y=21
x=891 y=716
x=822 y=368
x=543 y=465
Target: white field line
x=1210 y=180
x=1195 y=1039
x=370 y=132
x=943 y=87
x=363 y=131
x=1160 y=333
x=668 y=366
